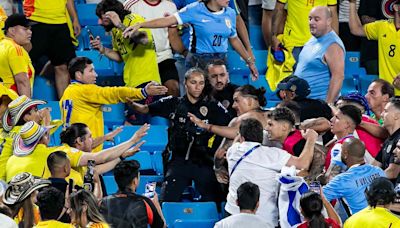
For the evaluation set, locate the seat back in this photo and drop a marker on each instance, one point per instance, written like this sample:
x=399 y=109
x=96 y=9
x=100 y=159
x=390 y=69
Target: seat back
x=189 y=211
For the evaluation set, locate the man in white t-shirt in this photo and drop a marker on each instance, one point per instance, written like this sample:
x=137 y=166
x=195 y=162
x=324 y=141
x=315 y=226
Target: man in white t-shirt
x=248 y=160
x=248 y=195
x=164 y=38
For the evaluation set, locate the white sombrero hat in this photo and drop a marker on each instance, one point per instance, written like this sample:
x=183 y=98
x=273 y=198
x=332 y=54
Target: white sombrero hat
x=21 y=186
x=16 y=109
x=28 y=137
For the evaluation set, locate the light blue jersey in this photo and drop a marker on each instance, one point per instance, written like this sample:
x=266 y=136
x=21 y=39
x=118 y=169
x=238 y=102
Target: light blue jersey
x=313 y=68
x=351 y=185
x=186 y=31
x=209 y=30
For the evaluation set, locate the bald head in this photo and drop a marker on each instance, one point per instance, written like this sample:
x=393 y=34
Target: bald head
x=354 y=147
x=320 y=19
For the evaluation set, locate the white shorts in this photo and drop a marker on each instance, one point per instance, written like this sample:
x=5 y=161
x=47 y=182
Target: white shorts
x=268 y=4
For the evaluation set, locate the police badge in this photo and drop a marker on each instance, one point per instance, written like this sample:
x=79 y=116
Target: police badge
x=203 y=110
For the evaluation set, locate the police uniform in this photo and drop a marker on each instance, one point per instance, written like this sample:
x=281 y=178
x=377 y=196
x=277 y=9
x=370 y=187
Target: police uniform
x=386 y=155
x=225 y=96
x=192 y=147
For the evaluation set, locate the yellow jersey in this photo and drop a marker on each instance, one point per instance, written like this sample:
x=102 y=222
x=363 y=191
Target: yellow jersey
x=3 y=17
x=6 y=147
x=97 y=225
x=36 y=215
x=81 y=103
x=388 y=38
x=371 y=218
x=53 y=224
x=46 y=11
x=140 y=60
x=34 y=163
x=297 y=30
x=14 y=60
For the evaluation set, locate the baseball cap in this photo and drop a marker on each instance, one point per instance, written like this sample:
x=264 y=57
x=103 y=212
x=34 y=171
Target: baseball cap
x=295 y=84
x=17 y=19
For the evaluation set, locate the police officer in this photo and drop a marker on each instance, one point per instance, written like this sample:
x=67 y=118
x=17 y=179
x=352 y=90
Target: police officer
x=192 y=147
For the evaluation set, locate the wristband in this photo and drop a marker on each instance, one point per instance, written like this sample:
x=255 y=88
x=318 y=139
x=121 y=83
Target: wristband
x=144 y=93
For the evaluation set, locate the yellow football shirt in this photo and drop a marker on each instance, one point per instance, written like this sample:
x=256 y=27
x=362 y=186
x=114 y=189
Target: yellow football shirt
x=53 y=224
x=297 y=30
x=14 y=60
x=140 y=60
x=46 y=11
x=6 y=143
x=3 y=17
x=371 y=218
x=34 y=163
x=388 y=48
x=81 y=103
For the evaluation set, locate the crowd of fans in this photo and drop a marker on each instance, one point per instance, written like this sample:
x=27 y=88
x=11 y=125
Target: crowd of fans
x=320 y=158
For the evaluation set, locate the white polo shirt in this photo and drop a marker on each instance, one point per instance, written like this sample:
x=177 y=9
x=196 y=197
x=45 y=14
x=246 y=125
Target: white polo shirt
x=261 y=168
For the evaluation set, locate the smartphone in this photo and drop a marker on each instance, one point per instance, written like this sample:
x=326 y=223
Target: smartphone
x=150 y=189
x=70 y=186
x=315 y=186
x=91 y=36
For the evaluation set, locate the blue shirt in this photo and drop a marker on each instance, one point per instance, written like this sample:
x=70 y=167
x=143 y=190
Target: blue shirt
x=209 y=30
x=186 y=31
x=351 y=185
x=313 y=68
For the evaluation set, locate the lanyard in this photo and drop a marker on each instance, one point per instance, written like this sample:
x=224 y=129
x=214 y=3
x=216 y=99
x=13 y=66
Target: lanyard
x=244 y=156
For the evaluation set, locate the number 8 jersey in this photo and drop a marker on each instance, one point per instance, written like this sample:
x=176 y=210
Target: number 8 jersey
x=388 y=48
x=209 y=30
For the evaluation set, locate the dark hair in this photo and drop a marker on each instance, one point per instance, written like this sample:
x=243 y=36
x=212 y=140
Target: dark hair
x=251 y=130
x=311 y=204
x=55 y=159
x=125 y=172
x=78 y=64
x=250 y=90
x=111 y=5
x=21 y=120
x=215 y=62
x=28 y=218
x=386 y=87
x=72 y=133
x=51 y=203
x=282 y=114
x=83 y=197
x=352 y=112
x=5 y=210
x=248 y=195
x=380 y=192
x=395 y=101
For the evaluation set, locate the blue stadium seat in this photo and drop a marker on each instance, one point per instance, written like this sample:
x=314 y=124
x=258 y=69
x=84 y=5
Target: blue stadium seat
x=103 y=65
x=236 y=65
x=189 y=211
x=145 y=160
x=87 y=14
x=202 y=223
x=111 y=185
x=113 y=114
x=157 y=120
x=156 y=138
x=272 y=98
x=119 y=68
x=83 y=40
x=256 y=38
x=44 y=89
x=158 y=162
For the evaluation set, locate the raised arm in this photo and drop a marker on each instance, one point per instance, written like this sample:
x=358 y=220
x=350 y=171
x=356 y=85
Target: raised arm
x=306 y=156
x=356 y=28
x=155 y=23
x=335 y=18
x=277 y=18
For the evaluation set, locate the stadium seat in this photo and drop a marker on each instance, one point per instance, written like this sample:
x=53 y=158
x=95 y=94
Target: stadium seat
x=111 y=185
x=236 y=65
x=202 y=223
x=256 y=38
x=158 y=162
x=156 y=138
x=103 y=65
x=113 y=114
x=44 y=89
x=157 y=120
x=187 y=211
x=87 y=14
x=239 y=79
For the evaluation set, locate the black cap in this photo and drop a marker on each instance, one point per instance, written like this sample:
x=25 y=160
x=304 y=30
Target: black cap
x=17 y=19
x=295 y=84
x=381 y=186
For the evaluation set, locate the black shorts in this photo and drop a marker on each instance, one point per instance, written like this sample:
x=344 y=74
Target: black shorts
x=167 y=70
x=53 y=41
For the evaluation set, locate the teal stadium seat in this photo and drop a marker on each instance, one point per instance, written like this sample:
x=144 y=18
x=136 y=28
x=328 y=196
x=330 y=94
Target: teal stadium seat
x=113 y=114
x=256 y=38
x=103 y=65
x=87 y=14
x=44 y=89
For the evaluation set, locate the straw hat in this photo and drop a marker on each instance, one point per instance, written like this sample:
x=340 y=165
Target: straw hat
x=28 y=137
x=15 y=110
x=21 y=186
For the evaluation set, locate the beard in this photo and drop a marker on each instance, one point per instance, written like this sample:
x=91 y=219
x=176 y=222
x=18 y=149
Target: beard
x=109 y=27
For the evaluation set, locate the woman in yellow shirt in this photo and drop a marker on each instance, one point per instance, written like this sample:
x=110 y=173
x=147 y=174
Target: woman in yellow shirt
x=84 y=211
